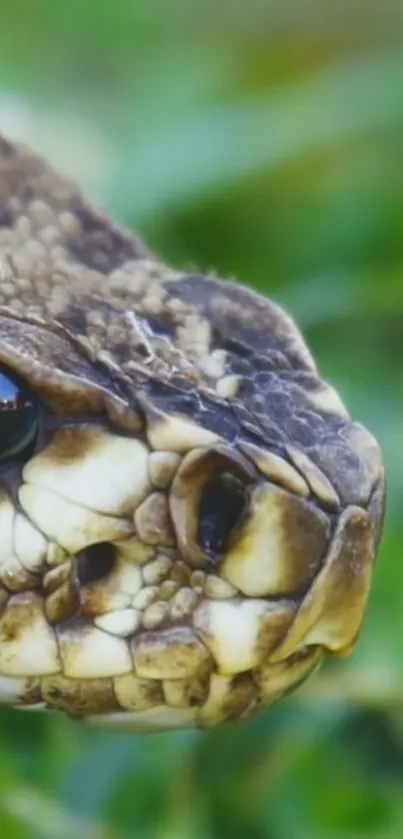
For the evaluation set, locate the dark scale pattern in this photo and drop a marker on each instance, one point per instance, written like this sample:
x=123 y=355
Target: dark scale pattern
x=93 y=319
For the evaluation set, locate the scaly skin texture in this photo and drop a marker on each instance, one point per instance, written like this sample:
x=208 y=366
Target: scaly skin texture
x=197 y=524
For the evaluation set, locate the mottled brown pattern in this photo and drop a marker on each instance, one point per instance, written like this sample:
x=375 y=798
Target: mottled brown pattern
x=153 y=381
x=118 y=324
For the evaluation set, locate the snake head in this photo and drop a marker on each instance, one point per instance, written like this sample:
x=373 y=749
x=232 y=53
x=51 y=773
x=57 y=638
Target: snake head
x=189 y=518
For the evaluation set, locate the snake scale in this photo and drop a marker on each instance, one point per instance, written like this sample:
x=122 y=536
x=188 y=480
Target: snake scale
x=188 y=516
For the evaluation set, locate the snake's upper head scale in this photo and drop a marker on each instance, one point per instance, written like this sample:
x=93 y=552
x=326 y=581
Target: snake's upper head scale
x=189 y=518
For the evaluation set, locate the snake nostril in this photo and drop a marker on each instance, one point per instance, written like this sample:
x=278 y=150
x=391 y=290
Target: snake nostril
x=95 y=563
x=222 y=505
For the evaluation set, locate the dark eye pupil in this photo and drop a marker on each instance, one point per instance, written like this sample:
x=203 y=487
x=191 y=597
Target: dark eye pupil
x=18 y=417
x=221 y=507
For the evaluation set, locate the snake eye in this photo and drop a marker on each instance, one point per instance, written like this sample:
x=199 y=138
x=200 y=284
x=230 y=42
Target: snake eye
x=221 y=507
x=19 y=416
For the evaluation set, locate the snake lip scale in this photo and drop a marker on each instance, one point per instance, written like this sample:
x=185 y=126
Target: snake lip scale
x=189 y=517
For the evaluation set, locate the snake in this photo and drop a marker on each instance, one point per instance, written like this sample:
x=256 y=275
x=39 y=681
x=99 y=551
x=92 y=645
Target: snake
x=189 y=516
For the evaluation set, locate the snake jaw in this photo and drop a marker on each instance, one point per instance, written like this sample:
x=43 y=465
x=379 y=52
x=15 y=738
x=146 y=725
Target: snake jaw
x=133 y=615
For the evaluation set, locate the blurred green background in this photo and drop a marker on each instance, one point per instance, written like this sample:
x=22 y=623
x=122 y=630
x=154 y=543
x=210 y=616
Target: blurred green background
x=266 y=140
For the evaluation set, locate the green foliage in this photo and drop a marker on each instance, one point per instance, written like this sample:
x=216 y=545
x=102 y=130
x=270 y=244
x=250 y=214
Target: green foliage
x=264 y=140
